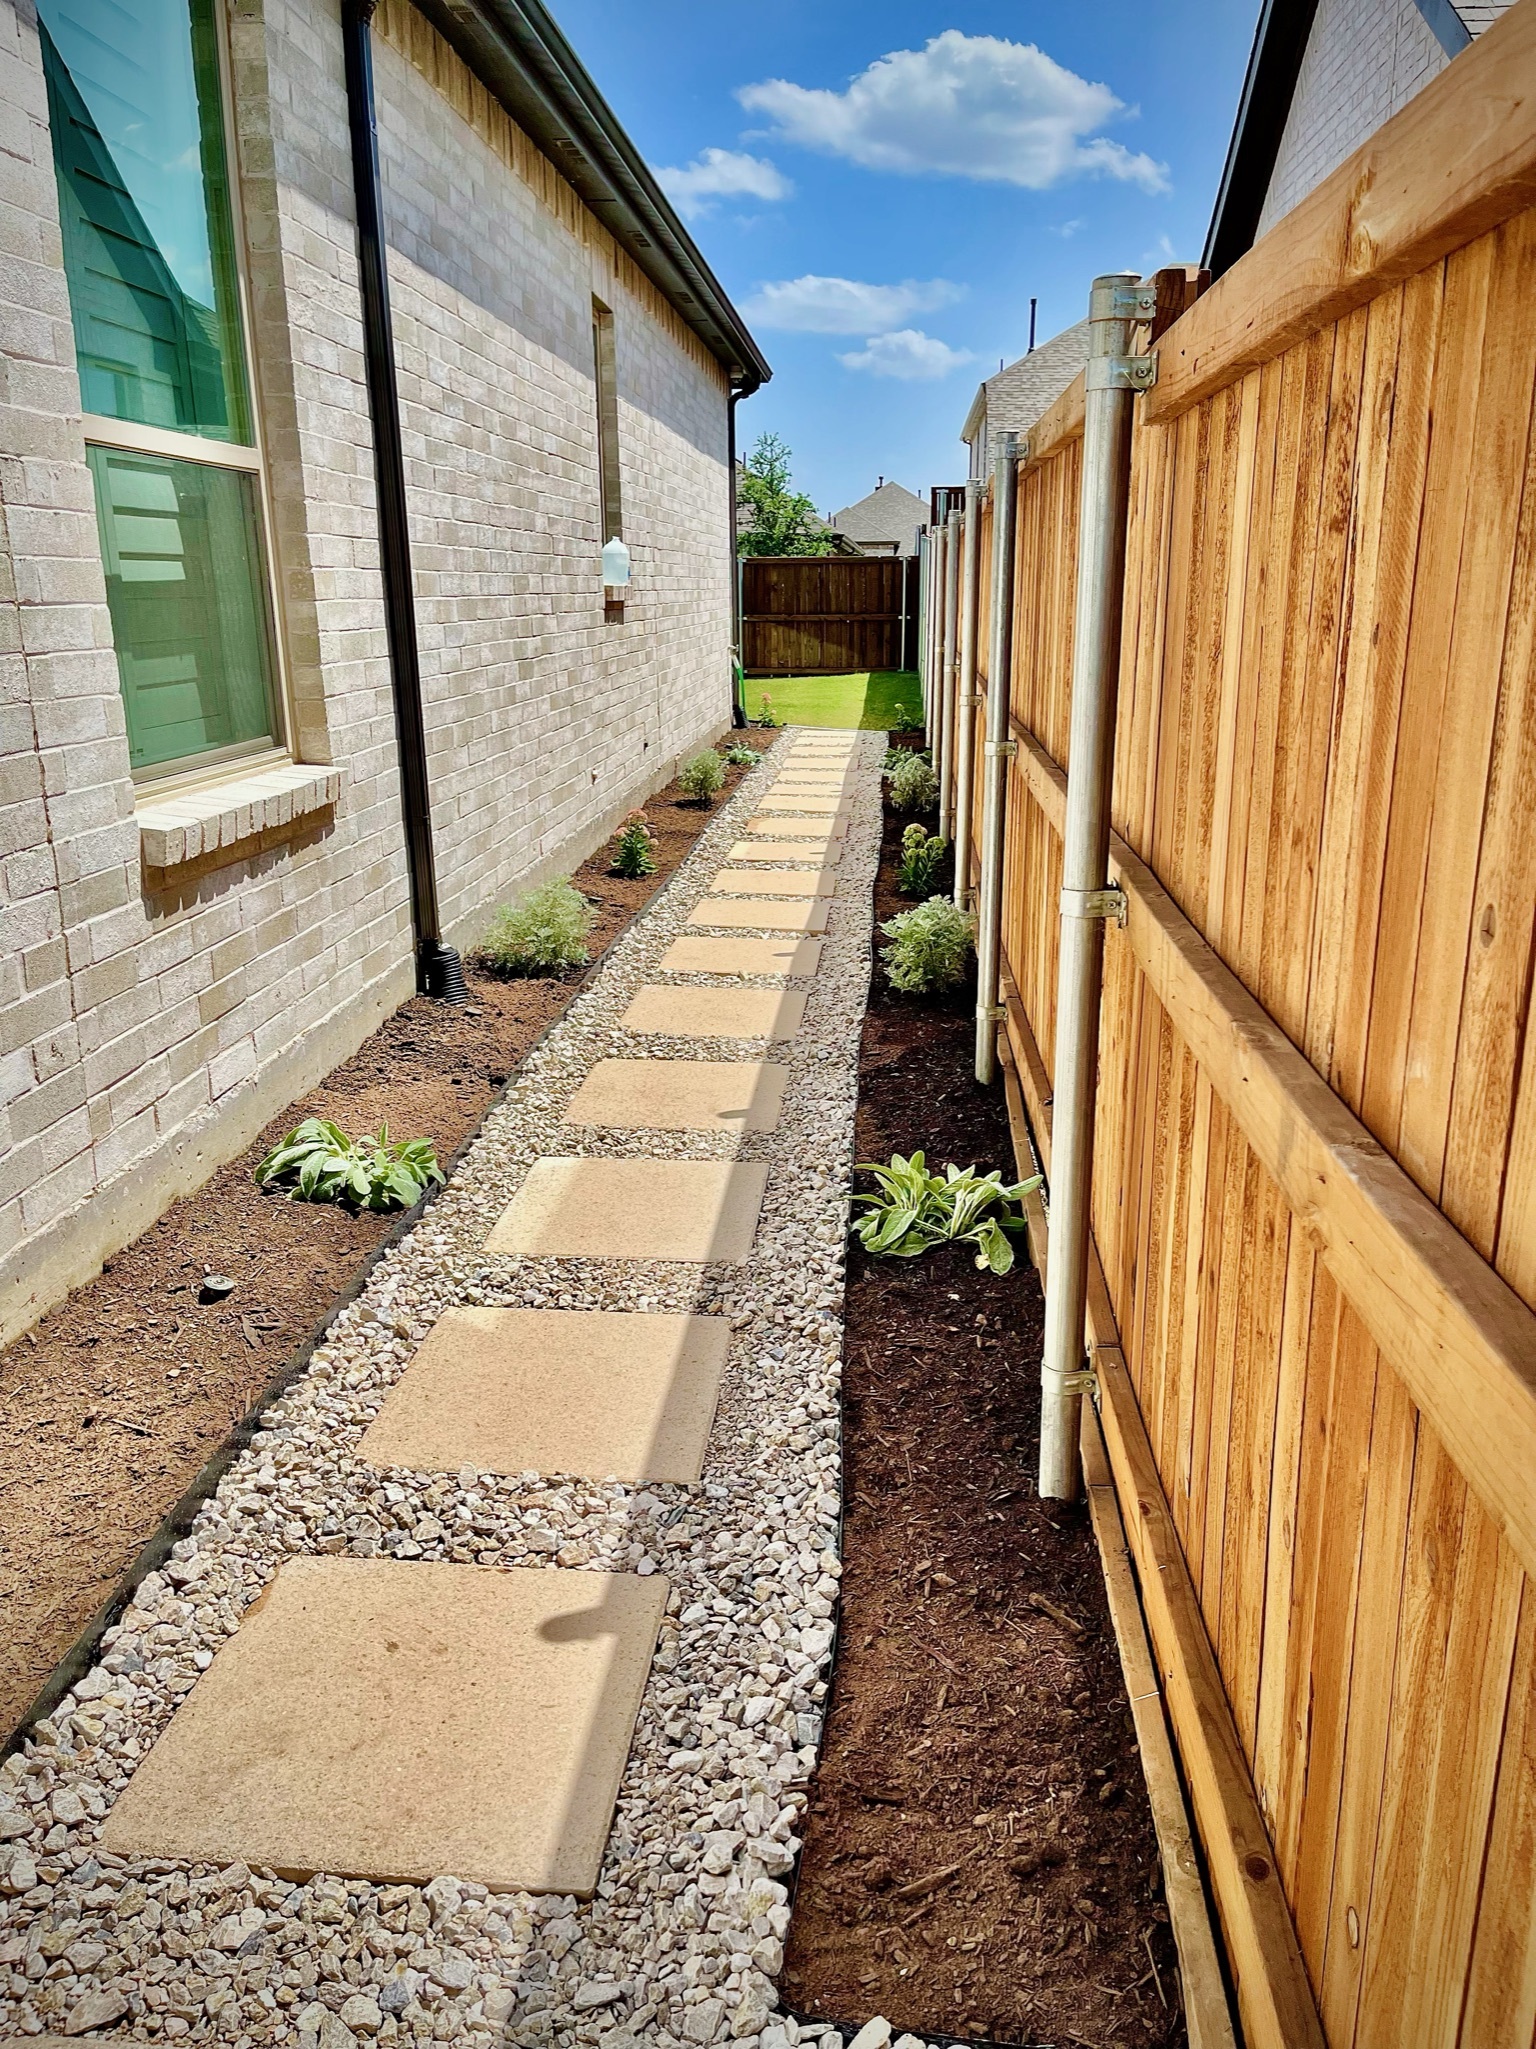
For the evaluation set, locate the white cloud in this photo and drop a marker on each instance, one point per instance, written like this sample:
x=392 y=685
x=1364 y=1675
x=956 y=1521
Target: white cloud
x=966 y=106
x=721 y=174
x=842 y=305
x=909 y=354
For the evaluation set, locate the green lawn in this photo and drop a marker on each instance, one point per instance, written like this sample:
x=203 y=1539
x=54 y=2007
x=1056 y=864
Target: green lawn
x=867 y=699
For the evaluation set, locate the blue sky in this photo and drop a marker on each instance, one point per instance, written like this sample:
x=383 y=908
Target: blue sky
x=798 y=155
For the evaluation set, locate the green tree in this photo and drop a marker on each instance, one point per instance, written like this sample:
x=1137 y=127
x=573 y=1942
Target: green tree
x=782 y=520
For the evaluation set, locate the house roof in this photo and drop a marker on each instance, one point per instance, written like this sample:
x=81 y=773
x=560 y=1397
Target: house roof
x=1012 y=401
x=515 y=49
x=889 y=513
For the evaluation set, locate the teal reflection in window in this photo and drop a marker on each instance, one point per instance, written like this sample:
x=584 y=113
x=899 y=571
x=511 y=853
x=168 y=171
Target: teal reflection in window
x=181 y=545
x=138 y=149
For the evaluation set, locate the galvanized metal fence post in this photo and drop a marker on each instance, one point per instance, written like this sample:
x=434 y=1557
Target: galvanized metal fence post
x=1111 y=381
x=944 y=745
x=996 y=750
x=965 y=692
x=922 y=619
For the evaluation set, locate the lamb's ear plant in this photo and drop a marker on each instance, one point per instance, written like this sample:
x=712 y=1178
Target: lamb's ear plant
x=318 y=1162
x=914 y=786
x=634 y=848
x=895 y=756
x=921 y=853
x=914 y=1211
x=543 y=933
x=702 y=778
x=739 y=755
x=930 y=946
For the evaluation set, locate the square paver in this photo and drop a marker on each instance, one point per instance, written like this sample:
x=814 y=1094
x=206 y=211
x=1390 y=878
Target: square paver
x=773 y=882
x=762 y=914
x=681 y=1095
x=826 y=851
x=814 y=806
x=691 y=1210
x=403 y=1720
x=688 y=955
x=592 y=1392
x=674 y=1011
x=799 y=828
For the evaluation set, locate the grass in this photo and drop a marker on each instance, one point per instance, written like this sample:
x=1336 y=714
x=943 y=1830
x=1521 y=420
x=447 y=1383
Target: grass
x=868 y=698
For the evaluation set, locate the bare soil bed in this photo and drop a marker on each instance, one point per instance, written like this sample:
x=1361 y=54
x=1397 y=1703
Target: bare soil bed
x=112 y=1404
x=979 y=1857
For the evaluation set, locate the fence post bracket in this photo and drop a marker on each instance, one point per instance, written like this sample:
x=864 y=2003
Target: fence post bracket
x=1095 y=903
x=1120 y=373
x=1000 y=750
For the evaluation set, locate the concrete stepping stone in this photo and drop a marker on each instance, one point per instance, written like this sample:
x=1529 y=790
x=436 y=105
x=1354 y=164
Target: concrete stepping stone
x=681 y=1095
x=671 y=1010
x=775 y=882
x=690 y=956
x=595 y=1393
x=828 y=852
x=693 y=1210
x=813 y=806
x=763 y=914
x=799 y=828
x=395 y=1720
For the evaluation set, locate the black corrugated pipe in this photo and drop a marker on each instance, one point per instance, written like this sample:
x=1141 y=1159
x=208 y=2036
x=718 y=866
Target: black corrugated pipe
x=738 y=687
x=439 y=970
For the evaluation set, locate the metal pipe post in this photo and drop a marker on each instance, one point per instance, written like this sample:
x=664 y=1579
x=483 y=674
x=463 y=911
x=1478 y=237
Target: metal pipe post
x=965 y=692
x=937 y=542
x=1086 y=899
x=997 y=748
x=922 y=620
x=944 y=748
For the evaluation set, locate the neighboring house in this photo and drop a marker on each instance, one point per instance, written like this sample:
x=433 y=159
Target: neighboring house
x=1322 y=77
x=308 y=660
x=887 y=522
x=1012 y=401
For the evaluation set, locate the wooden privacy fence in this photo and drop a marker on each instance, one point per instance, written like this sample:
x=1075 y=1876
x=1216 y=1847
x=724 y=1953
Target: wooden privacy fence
x=827 y=615
x=1314 y=1192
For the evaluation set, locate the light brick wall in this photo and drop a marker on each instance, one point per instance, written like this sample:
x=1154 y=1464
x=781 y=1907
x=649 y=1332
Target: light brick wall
x=150 y=1024
x=1365 y=59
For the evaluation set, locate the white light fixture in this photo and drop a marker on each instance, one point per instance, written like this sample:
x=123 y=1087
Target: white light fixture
x=615 y=565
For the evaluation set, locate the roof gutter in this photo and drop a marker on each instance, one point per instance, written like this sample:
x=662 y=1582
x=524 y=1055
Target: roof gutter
x=518 y=53
x=1274 y=65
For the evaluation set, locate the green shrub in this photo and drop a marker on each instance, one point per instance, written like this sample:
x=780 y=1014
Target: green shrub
x=920 y=858
x=634 y=848
x=895 y=756
x=766 y=715
x=703 y=777
x=914 y=786
x=916 y=1210
x=544 y=932
x=741 y=756
x=317 y=1162
x=907 y=718
x=929 y=947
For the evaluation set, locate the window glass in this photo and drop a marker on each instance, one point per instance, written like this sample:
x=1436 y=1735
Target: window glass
x=181 y=544
x=138 y=142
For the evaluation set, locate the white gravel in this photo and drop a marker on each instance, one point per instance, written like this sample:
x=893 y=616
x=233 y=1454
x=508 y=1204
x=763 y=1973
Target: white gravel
x=684 y=1938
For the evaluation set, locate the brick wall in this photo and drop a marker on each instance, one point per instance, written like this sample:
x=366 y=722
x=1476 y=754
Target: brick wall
x=1364 y=60
x=151 y=1022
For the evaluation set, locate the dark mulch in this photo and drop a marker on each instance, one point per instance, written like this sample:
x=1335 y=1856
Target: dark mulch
x=111 y=1405
x=979 y=1856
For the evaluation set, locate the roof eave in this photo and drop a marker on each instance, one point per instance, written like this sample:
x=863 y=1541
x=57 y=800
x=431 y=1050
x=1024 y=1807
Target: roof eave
x=1269 y=85
x=516 y=50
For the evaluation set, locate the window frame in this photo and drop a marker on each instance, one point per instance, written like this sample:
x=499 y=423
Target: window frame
x=130 y=437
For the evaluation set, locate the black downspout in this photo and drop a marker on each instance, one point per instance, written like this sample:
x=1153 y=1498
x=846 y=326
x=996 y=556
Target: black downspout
x=439 y=970
x=738 y=688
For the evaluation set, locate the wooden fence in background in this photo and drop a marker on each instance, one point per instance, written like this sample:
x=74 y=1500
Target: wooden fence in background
x=1315 y=1173
x=827 y=615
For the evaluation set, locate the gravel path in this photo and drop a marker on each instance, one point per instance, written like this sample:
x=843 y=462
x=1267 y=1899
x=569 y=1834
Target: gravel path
x=683 y=1939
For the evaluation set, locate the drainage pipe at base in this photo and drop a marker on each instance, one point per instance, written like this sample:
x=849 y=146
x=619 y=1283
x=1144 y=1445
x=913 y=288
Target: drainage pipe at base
x=996 y=750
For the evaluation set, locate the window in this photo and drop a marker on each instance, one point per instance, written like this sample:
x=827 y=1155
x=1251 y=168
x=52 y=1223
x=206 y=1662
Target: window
x=610 y=509
x=135 y=100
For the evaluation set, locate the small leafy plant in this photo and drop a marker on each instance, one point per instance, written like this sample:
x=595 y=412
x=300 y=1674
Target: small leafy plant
x=766 y=715
x=544 y=932
x=702 y=778
x=930 y=945
x=634 y=848
x=915 y=1211
x=906 y=718
x=921 y=853
x=318 y=1162
x=895 y=756
x=914 y=786
x=739 y=755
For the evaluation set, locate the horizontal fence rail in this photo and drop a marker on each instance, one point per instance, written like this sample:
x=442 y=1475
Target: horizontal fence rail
x=1314 y=1188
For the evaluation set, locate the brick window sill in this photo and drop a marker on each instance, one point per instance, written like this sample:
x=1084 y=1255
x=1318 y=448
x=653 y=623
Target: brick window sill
x=174 y=830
